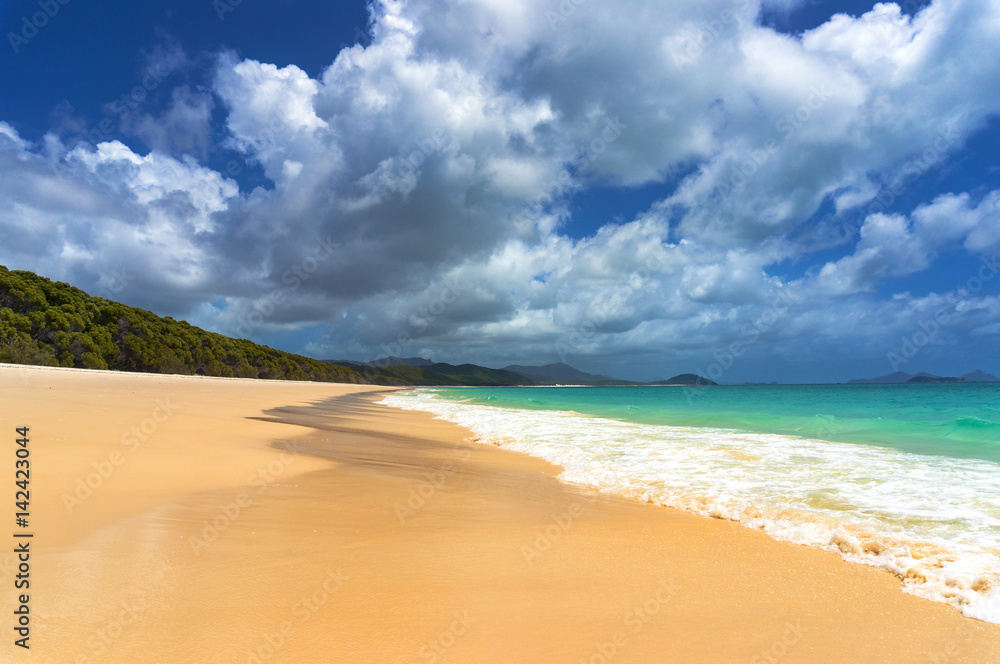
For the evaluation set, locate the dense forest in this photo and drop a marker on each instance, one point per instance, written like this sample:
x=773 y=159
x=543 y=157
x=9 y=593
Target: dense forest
x=51 y=323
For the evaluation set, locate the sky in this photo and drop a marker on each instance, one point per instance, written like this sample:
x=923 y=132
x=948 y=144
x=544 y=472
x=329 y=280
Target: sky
x=786 y=190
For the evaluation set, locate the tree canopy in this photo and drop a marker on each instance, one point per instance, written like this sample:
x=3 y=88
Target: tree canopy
x=49 y=323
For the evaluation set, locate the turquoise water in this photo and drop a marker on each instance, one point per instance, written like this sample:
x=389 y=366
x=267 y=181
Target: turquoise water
x=961 y=421
x=902 y=477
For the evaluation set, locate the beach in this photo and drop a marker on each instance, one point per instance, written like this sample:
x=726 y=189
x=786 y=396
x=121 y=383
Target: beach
x=185 y=519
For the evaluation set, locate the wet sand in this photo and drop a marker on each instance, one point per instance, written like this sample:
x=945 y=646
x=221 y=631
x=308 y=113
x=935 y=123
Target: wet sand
x=181 y=519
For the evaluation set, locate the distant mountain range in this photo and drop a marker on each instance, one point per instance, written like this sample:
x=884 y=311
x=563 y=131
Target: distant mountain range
x=559 y=373
x=422 y=371
x=899 y=377
x=53 y=324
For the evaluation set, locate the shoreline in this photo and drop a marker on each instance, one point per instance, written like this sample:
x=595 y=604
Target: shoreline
x=697 y=472
x=304 y=522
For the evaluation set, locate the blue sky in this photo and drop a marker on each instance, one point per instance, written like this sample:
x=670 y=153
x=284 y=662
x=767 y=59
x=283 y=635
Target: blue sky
x=792 y=191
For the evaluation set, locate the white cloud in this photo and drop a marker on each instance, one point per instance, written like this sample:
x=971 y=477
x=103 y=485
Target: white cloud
x=888 y=248
x=10 y=135
x=895 y=246
x=85 y=214
x=985 y=237
x=271 y=113
x=446 y=152
x=948 y=217
x=158 y=183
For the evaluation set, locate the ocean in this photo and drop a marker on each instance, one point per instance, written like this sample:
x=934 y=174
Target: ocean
x=902 y=477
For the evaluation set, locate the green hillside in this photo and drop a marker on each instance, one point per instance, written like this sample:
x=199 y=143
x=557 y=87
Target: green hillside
x=51 y=323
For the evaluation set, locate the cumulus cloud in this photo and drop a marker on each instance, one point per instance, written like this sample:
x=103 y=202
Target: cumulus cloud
x=419 y=188
x=91 y=213
x=895 y=246
x=888 y=248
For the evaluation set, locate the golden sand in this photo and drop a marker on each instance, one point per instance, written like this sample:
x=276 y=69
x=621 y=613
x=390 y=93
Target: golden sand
x=181 y=519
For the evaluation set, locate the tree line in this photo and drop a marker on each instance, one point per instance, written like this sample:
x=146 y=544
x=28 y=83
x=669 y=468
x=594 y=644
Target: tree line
x=49 y=323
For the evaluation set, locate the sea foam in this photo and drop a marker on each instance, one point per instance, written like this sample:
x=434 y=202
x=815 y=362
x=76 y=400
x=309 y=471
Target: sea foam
x=933 y=521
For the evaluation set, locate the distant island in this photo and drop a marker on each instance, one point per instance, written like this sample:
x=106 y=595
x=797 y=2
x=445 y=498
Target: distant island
x=559 y=373
x=688 y=379
x=901 y=377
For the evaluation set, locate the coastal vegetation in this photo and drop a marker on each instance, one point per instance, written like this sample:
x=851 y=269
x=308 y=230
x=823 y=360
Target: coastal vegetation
x=48 y=323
